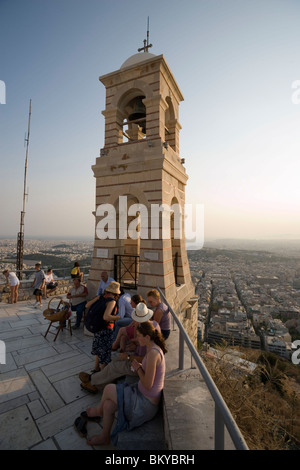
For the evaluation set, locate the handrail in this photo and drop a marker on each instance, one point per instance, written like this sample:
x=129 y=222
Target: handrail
x=66 y=273
x=223 y=415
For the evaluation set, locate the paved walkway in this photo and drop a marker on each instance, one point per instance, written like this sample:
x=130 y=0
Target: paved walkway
x=40 y=394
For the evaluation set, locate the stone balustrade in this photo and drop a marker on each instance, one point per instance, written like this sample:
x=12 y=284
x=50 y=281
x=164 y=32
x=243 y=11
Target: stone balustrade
x=26 y=291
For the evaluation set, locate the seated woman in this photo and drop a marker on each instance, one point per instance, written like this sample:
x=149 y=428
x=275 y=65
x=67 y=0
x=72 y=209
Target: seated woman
x=161 y=312
x=127 y=333
x=135 y=403
x=50 y=285
x=76 y=272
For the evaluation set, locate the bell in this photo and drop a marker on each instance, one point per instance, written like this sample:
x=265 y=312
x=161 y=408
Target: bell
x=138 y=113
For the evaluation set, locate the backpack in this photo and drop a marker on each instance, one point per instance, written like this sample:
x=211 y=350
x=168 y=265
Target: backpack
x=94 y=318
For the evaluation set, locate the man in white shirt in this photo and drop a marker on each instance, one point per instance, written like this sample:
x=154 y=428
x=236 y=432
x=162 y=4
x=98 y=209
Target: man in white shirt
x=104 y=283
x=77 y=295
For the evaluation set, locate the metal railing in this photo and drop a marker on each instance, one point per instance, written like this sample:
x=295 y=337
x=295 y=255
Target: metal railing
x=58 y=273
x=223 y=416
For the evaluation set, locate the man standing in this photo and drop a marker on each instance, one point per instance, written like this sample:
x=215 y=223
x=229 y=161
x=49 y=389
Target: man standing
x=38 y=285
x=77 y=295
x=104 y=283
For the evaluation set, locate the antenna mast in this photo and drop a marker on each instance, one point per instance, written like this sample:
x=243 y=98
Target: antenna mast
x=146 y=41
x=20 y=244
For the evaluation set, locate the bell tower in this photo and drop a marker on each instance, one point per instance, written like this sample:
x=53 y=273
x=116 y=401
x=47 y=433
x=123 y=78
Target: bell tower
x=140 y=186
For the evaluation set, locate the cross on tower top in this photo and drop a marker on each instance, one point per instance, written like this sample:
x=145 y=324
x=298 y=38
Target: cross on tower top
x=146 y=46
x=146 y=41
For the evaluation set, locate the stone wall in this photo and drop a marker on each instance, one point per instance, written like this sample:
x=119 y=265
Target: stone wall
x=26 y=292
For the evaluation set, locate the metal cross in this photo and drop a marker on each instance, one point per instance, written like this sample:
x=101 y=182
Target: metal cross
x=146 y=46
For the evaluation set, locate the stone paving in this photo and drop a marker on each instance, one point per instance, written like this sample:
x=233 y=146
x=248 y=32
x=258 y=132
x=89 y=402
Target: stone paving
x=40 y=394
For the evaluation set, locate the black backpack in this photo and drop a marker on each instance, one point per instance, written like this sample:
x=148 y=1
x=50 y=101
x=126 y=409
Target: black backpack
x=94 y=317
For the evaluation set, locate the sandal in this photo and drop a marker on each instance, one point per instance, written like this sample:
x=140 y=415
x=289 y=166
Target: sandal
x=84 y=415
x=89 y=387
x=80 y=426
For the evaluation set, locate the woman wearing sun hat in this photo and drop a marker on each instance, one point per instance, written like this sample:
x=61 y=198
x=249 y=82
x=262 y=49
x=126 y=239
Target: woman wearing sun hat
x=120 y=364
x=127 y=333
x=102 y=342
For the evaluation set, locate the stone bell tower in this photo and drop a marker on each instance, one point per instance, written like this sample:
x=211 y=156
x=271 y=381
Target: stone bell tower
x=139 y=171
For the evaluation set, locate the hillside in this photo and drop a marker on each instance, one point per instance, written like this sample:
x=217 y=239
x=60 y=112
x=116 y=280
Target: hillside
x=265 y=404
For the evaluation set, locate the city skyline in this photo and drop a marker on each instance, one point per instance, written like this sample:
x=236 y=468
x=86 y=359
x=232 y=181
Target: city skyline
x=236 y=65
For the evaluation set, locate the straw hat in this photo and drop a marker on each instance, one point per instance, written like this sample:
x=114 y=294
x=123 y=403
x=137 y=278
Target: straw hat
x=141 y=313
x=113 y=288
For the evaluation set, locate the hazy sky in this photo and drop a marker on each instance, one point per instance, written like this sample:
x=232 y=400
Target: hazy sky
x=235 y=62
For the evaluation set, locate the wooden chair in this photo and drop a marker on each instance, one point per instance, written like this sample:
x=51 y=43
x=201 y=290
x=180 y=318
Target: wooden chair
x=60 y=315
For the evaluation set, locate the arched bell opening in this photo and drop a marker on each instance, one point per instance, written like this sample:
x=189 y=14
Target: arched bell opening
x=170 y=121
x=134 y=116
x=176 y=230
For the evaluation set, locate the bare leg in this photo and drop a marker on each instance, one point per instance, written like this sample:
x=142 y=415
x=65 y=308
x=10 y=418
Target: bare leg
x=106 y=409
x=123 y=342
x=116 y=343
x=97 y=364
x=12 y=294
x=16 y=294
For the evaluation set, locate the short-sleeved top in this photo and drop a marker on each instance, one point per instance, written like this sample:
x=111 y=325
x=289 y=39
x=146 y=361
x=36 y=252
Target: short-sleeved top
x=48 y=278
x=39 y=277
x=103 y=285
x=13 y=280
x=124 y=308
x=81 y=290
x=165 y=322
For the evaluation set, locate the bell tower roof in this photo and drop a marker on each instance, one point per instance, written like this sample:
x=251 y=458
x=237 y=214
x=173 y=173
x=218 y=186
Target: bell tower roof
x=137 y=58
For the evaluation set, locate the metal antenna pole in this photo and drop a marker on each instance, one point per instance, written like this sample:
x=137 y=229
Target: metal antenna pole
x=148 y=32
x=20 y=244
x=146 y=41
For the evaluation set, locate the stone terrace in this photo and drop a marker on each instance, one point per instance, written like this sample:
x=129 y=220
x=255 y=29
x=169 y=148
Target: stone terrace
x=40 y=394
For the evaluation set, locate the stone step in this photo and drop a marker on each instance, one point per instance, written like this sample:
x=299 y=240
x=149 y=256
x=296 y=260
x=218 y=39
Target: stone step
x=149 y=436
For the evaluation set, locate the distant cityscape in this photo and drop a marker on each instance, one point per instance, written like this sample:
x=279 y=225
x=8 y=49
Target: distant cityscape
x=248 y=291
x=248 y=298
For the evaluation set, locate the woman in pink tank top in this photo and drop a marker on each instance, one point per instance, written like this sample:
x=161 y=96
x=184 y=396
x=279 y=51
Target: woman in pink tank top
x=136 y=403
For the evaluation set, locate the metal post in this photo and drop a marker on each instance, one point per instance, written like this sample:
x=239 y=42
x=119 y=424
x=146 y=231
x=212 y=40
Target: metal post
x=181 y=350
x=219 y=429
x=20 y=242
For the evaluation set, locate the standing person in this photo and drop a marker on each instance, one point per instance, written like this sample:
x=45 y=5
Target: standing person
x=76 y=271
x=13 y=282
x=50 y=285
x=102 y=342
x=104 y=283
x=135 y=403
x=38 y=285
x=77 y=295
x=161 y=312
